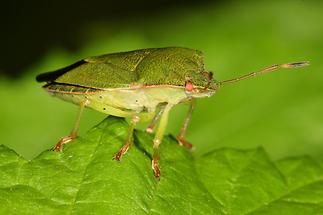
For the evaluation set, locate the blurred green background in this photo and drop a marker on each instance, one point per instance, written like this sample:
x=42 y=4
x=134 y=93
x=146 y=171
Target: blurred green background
x=282 y=111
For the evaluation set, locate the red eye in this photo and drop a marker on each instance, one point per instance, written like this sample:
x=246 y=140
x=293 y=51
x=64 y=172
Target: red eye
x=189 y=86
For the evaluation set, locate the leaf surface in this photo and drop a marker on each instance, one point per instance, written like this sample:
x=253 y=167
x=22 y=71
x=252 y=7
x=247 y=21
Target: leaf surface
x=84 y=179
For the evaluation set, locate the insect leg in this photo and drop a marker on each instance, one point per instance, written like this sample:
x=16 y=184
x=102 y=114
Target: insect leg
x=158 y=139
x=181 y=136
x=152 y=125
x=135 y=119
x=73 y=135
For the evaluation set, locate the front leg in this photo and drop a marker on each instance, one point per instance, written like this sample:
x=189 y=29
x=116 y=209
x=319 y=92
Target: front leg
x=181 y=136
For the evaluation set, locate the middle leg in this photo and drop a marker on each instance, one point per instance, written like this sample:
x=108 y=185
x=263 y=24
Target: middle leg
x=153 y=123
x=135 y=119
x=158 y=139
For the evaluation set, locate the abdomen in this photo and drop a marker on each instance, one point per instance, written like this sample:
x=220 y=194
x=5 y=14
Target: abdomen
x=119 y=102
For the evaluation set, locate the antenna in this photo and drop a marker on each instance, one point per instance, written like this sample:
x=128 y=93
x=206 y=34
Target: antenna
x=267 y=69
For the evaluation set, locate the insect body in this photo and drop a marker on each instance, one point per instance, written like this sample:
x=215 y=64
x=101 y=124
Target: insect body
x=142 y=84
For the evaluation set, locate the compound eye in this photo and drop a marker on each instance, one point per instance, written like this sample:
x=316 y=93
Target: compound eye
x=189 y=86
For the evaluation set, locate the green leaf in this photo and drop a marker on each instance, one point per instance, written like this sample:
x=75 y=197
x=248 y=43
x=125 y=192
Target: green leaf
x=85 y=180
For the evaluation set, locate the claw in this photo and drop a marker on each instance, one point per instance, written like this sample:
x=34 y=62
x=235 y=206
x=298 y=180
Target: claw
x=121 y=152
x=155 y=167
x=184 y=143
x=59 y=146
x=149 y=130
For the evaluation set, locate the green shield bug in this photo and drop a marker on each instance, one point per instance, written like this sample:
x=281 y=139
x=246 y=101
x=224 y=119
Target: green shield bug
x=141 y=84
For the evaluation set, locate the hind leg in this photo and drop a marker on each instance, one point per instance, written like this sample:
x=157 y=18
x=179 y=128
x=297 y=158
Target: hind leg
x=58 y=147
